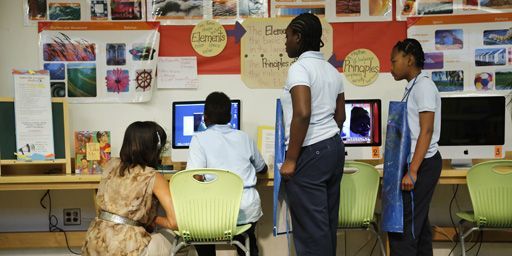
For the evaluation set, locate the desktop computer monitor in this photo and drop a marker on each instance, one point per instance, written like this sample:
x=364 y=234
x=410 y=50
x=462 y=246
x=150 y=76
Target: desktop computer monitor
x=187 y=119
x=472 y=126
x=362 y=128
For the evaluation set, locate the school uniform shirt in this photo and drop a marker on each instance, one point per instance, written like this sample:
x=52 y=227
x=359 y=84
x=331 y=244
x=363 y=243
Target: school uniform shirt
x=223 y=147
x=424 y=97
x=325 y=83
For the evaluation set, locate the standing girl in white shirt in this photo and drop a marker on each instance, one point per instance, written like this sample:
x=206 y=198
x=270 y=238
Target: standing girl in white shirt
x=314 y=110
x=424 y=119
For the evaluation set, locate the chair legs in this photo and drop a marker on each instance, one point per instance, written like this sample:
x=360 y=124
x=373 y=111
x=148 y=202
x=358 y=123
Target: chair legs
x=381 y=244
x=463 y=235
x=247 y=247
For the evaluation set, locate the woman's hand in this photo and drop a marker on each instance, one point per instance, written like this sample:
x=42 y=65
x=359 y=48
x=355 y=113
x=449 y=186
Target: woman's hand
x=288 y=169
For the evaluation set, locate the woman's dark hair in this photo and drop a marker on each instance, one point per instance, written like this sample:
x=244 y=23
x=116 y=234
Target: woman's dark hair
x=218 y=108
x=310 y=28
x=142 y=145
x=413 y=47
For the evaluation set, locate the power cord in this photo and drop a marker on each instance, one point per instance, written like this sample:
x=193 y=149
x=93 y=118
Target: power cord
x=53 y=221
x=451 y=219
x=374 y=245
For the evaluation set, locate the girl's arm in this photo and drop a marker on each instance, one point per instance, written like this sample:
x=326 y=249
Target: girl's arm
x=339 y=113
x=161 y=191
x=301 y=105
x=422 y=145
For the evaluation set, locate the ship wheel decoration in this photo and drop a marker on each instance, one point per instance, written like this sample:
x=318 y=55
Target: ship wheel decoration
x=143 y=79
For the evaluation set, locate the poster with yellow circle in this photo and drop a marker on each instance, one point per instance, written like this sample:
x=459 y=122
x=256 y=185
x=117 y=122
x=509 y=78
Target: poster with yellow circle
x=208 y=38
x=361 y=67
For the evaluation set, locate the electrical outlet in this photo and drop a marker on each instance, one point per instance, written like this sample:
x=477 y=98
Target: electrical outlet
x=72 y=216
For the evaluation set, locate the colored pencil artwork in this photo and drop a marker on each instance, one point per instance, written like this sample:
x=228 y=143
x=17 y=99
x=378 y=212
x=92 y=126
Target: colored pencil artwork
x=63 y=48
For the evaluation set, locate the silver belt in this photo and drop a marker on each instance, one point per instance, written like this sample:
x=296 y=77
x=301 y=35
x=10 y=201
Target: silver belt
x=118 y=219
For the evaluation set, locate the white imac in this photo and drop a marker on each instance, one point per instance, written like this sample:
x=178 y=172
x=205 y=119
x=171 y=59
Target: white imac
x=187 y=119
x=472 y=127
x=361 y=132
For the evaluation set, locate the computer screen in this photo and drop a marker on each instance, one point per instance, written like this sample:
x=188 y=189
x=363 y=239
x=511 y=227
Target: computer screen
x=362 y=126
x=188 y=119
x=471 y=126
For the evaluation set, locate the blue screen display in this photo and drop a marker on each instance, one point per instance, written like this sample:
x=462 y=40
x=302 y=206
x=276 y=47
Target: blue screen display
x=188 y=119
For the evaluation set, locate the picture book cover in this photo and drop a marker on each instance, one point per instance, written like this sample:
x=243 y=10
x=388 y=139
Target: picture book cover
x=92 y=151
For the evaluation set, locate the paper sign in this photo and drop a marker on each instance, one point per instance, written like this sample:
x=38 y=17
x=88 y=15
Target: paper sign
x=266 y=138
x=33 y=115
x=208 y=38
x=361 y=67
x=263 y=59
x=376 y=152
x=177 y=72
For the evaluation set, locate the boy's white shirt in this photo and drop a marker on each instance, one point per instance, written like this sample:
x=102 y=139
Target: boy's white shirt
x=223 y=147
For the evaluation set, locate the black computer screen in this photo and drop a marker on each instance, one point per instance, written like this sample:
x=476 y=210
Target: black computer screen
x=472 y=121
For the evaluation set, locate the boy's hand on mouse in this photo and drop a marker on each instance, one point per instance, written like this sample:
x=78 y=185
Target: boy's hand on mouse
x=288 y=169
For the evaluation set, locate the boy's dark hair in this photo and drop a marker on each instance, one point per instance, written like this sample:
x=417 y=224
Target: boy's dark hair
x=310 y=28
x=217 y=108
x=141 y=145
x=413 y=47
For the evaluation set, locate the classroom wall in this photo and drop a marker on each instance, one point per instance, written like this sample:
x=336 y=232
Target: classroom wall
x=21 y=210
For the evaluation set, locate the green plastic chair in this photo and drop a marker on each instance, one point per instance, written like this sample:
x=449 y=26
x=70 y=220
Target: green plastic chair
x=490 y=190
x=207 y=212
x=358 y=195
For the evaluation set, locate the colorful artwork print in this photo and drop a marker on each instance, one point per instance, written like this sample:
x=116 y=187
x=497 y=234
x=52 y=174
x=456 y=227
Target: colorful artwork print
x=504 y=80
x=177 y=8
x=64 y=11
x=379 y=7
x=449 y=81
x=118 y=80
x=81 y=80
x=58 y=89
x=126 y=9
x=251 y=8
x=63 y=48
x=224 y=8
x=470 y=4
x=57 y=70
x=37 y=9
x=449 y=39
x=429 y=7
x=99 y=10
x=348 y=7
x=490 y=56
x=143 y=78
x=408 y=8
x=294 y=10
x=498 y=37
x=496 y=4
x=434 y=60
x=142 y=52
x=484 y=81
x=116 y=54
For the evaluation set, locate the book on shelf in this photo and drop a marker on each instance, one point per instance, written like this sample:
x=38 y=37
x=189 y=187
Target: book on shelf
x=92 y=151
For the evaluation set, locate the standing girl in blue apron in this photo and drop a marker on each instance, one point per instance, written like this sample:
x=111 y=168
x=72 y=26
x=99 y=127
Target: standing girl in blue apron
x=422 y=175
x=314 y=110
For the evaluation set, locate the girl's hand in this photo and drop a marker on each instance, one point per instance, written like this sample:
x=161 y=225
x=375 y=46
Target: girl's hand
x=288 y=169
x=407 y=183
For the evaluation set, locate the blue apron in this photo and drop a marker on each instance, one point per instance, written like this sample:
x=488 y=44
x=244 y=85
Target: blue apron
x=396 y=154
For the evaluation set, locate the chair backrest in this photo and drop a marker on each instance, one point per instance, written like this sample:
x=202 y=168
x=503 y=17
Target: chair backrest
x=490 y=189
x=206 y=211
x=358 y=194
